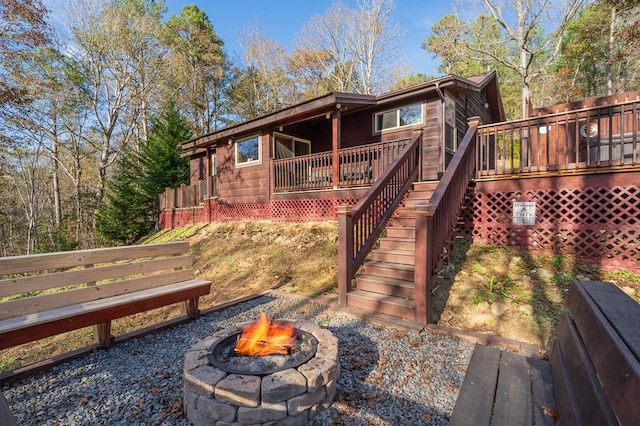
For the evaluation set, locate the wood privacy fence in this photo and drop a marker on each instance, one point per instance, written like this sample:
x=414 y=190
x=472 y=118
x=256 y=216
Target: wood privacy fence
x=588 y=138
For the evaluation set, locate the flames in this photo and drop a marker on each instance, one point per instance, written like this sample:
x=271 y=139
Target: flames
x=265 y=337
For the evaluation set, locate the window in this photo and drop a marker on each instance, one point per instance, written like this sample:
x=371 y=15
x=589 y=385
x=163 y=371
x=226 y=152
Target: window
x=401 y=117
x=214 y=163
x=288 y=146
x=248 y=151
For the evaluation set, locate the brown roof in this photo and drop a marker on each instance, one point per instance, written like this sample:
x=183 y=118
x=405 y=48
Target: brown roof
x=321 y=105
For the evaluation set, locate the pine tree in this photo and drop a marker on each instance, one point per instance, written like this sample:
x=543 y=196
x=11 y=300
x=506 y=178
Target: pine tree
x=130 y=209
x=160 y=161
x=122 y=218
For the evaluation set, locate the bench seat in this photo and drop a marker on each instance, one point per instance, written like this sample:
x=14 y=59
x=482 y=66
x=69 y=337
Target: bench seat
x=592 y=377
x=48 y=294
x=18 y=330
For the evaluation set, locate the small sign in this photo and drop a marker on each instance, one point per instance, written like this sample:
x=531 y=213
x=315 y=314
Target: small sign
x=524 y=213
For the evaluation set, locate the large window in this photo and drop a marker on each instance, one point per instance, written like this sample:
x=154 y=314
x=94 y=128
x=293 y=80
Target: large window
x=286 y=146
x=248 y=151
x=406 y=116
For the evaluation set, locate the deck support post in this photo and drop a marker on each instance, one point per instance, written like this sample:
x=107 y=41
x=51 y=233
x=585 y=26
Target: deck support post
x=345 y=252
x=336 y=145
x=423 y=272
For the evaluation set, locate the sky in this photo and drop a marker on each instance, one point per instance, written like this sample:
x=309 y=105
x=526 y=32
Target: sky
x=281 y=20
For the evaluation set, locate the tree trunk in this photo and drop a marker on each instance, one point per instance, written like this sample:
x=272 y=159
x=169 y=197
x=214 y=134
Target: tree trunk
x=609 y=66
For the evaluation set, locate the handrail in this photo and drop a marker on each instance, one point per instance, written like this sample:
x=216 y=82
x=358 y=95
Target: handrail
x=358 y=166
x=360 y=226
x=436 y=220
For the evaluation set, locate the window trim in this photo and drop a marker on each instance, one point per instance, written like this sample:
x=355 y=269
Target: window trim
x=397 y=110
x=293 y=138
x=248 y=163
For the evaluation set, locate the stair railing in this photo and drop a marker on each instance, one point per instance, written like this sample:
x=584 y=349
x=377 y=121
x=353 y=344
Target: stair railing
x=436 y=219
x=360 y=226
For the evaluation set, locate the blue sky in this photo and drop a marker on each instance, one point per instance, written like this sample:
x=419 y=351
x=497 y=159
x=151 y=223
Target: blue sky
x=281 y=20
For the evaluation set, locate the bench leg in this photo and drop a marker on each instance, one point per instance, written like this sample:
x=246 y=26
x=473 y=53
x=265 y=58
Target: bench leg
x=190 y=307
x=102 y=334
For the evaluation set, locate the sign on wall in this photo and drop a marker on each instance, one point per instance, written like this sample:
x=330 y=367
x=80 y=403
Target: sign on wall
x=524 y=213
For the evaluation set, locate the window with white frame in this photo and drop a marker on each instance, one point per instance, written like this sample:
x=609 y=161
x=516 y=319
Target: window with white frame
x=248 y=151
x=409 y=115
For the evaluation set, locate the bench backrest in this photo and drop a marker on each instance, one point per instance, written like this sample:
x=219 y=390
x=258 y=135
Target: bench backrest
x=37 y=283
x=595 y=361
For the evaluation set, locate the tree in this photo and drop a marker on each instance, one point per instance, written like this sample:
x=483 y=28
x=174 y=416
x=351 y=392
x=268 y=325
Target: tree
x=22 y=30
x=130 y=209
x=412 y=80
x=450 y=39
x=199 y=70
x=356 y=49
x=160 y=161
x=600 y=53
x=522 y=25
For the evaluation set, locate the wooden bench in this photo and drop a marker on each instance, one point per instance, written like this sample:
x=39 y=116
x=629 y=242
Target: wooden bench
x=592 y=377
x=47 y=294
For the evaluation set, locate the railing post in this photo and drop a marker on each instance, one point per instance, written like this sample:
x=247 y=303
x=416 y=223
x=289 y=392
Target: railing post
x=345 y=252
x=423 y=271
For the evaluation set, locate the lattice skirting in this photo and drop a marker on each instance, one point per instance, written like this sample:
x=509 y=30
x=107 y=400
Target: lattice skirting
x=600 y=226
x=283 y=210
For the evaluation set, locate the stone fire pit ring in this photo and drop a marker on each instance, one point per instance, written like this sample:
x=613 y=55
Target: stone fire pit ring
x=288 y=397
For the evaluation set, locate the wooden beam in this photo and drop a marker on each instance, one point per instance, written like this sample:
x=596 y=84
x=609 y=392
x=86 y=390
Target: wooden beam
x=336 y=144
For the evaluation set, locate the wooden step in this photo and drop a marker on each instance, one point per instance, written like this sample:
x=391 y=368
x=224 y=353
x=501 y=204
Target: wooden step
x=426 y=185
x=405 y=257
x=389 y=270
x=388 y=286
x=401 y=232
x=381 y=303
x=403 y=221
x=397 y=243
x=412 y=202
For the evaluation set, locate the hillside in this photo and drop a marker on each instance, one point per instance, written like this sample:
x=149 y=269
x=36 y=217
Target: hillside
x=486 y=289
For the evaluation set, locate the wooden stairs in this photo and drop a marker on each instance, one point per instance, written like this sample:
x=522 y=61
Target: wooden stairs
x=385 y=283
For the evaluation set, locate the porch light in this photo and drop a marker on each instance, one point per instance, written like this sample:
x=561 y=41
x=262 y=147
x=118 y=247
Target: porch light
x=338 y=106
x=230 y=141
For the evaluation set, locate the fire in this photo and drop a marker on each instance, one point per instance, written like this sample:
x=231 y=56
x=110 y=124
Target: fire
x=265 y=337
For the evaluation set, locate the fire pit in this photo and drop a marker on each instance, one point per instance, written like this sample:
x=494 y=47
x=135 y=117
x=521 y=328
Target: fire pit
x=288 y=381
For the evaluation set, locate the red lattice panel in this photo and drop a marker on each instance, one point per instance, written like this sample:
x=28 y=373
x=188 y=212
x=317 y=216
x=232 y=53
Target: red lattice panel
x=282 y=210
x=598 y=225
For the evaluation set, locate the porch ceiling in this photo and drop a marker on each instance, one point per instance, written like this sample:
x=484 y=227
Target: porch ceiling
x=297 y=113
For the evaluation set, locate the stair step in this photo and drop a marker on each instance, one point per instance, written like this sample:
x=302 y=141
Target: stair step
x=388 y=286
x=395 y=243
x=405 y=257
x=389 y=270
x=425 y=185
x=381 y=303
x=401 y=232
x=403 y=221
x=412 y=202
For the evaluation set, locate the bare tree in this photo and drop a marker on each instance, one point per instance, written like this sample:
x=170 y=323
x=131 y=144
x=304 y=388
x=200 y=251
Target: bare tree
x=356 y=48
x=523 y=23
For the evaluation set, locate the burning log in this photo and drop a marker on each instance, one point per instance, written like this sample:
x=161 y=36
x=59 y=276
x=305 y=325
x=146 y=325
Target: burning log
x=265 y=337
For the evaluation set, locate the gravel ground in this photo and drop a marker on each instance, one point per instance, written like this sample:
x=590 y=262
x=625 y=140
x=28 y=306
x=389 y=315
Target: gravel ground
x=387 y=376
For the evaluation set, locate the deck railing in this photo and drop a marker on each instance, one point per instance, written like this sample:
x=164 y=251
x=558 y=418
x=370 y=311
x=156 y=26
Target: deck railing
x=188 y=195
x=596 y=137
x=360 y=226
x=357 y=167
x=436 y=220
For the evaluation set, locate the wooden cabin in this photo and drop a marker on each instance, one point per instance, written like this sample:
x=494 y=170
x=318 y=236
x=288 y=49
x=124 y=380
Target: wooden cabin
x=329 y=148
x=406 y=172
